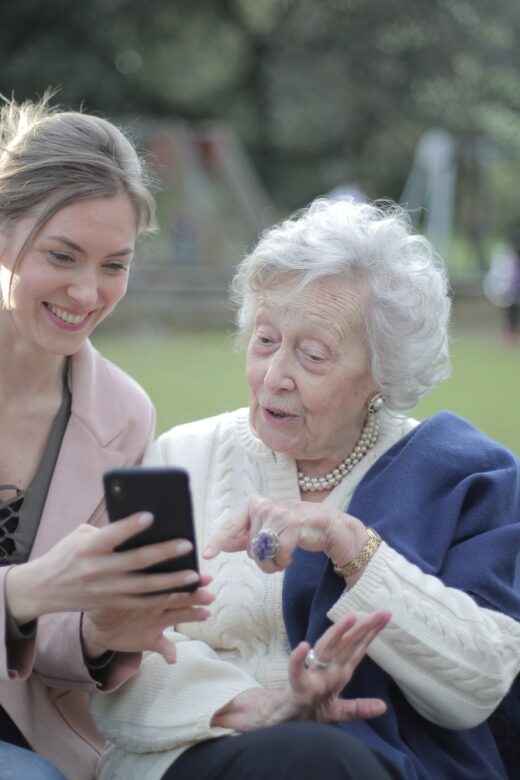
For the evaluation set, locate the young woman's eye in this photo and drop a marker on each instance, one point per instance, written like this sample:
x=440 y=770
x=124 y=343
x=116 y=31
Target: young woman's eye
x=116 y=267
x=62 y=257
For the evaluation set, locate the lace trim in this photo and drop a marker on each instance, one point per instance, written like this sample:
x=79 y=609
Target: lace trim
x=9 y=521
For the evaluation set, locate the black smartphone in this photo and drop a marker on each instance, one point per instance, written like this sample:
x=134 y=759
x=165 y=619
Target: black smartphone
x=163 y=491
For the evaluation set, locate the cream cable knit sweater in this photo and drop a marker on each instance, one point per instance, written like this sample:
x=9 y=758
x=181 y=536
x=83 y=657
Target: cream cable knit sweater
x=452 y=659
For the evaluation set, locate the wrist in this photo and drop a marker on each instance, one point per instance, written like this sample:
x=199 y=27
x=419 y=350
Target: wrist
x=24 y=593
x=355 y=566
x=346 y=538
x=253 y=709
x=92 y=648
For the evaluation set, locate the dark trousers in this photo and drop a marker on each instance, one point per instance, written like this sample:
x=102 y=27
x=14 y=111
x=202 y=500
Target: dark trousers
x=302 y=749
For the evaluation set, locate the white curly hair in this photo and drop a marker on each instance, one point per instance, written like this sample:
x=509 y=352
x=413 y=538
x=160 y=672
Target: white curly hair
x=406 y=322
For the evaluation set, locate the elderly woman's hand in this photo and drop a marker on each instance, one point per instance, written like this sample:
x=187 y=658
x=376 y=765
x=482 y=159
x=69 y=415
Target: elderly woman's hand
x=314 y=693
x=340 y=649
x=313 y=527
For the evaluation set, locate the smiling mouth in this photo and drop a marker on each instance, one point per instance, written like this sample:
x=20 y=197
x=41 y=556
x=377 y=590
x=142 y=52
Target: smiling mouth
x=66 y=316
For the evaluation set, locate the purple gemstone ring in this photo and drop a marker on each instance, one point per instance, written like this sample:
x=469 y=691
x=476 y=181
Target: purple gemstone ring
x=265 y=545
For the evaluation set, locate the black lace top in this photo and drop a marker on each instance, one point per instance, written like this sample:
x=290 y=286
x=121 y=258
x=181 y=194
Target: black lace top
x=10 y=507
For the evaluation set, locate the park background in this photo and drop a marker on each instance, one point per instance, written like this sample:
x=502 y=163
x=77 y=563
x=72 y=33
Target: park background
x=247 y=110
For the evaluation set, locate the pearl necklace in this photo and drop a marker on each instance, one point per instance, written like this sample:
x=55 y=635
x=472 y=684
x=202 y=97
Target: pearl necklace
x=365 y=442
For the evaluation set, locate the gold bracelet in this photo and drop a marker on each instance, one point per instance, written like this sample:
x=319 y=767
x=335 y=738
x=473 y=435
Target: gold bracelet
x=363 y=557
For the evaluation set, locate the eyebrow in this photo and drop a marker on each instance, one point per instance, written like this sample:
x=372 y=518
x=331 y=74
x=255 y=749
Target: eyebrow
x=78 y=248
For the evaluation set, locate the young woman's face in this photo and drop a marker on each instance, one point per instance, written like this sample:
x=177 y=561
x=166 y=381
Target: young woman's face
x=71 y=275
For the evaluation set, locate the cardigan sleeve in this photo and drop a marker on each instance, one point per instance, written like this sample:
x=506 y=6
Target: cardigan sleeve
x=446 y=501
x=453 y=659
x=166 y=707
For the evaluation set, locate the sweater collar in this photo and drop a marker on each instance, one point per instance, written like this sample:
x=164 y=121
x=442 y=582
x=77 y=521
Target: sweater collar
x=391 y=430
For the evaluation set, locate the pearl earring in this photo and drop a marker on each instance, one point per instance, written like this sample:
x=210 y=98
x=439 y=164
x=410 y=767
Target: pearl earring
x=375 y=404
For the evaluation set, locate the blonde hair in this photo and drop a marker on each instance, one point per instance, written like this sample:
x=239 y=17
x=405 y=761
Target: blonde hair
x=58 y=157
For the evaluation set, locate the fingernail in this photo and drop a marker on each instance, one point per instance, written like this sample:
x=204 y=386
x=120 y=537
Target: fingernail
x=191 y=577
x=145 y=518
x=183 y=546
x=208 y=552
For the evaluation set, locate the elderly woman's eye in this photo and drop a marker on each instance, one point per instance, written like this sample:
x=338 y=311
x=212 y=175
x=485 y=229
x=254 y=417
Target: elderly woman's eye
x=309 y=354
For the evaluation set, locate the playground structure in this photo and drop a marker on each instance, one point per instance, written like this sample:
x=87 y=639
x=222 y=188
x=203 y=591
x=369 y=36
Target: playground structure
x=429 y=191
x=211 y=208
x=451 y=195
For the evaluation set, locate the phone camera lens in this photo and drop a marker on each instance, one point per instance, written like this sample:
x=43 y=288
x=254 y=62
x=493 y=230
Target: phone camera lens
x=117 y=489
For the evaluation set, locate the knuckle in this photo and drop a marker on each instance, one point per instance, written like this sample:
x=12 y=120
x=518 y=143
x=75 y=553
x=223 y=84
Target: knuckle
x=259 y=505
x=228 y=524
x=88 y=572
x=85 y=528
x=147 y=555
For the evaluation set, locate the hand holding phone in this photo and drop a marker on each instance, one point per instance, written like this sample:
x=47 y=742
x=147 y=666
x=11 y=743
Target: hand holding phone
x=165 y=493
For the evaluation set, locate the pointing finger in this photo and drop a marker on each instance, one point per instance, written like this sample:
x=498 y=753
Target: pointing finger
x=233 y=536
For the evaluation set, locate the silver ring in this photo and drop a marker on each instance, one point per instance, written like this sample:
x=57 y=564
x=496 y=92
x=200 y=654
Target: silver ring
x=265 y=545
x=312 y=662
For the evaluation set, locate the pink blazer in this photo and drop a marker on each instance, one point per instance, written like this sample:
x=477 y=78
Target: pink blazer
x=44 y=683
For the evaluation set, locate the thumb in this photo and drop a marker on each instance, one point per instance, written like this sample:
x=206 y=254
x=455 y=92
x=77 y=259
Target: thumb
x=354 y=709
x=165 y=647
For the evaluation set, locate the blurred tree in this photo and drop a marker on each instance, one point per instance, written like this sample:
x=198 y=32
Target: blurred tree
x=319 y=92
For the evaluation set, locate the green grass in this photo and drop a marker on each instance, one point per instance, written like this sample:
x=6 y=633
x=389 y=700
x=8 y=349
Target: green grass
x=187 y=375
x=483 y=388
x=193 y=375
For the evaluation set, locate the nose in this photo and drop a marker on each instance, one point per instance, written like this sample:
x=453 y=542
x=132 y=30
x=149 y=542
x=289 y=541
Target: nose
x=83 y=290
x=278 y=375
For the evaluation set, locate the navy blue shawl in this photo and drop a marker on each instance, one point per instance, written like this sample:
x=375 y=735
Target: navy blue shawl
x=448 y=498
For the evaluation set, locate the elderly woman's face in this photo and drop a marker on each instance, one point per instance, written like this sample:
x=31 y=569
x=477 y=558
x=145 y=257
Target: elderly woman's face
x=308 y=370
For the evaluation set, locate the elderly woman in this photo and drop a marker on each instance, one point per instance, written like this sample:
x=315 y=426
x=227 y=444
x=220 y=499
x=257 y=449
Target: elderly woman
x=323 y=501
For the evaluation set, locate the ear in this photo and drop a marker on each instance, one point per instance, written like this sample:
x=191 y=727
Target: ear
x=5 y=268
x=8 y=252
x=5 y=236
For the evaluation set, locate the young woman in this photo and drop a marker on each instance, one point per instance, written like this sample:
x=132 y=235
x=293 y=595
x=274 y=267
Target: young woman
x=75 y=615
